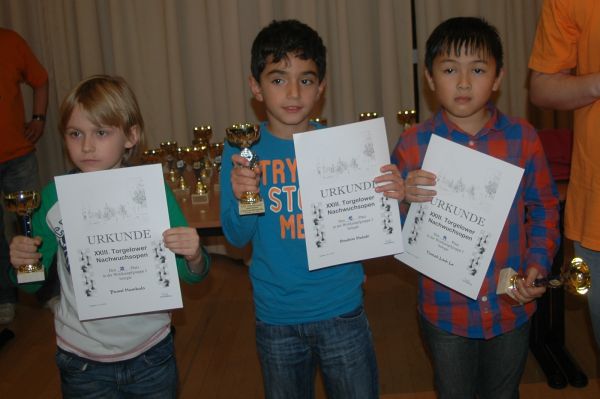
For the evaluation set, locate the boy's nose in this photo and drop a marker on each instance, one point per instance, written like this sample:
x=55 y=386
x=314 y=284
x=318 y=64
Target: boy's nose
x=464 y=82
x=293 y=90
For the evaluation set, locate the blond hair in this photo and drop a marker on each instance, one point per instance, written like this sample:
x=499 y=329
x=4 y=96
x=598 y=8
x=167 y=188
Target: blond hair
x=108 y=101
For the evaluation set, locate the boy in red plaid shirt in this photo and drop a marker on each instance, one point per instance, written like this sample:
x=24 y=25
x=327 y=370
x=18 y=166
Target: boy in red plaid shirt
x=479 y=347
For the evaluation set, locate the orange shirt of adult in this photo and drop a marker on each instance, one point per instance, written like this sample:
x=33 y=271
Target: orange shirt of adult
x=568 y=36
x=18 y=65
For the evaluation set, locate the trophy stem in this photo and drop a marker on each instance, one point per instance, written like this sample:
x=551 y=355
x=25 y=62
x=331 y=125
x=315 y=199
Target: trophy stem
x=26 y=224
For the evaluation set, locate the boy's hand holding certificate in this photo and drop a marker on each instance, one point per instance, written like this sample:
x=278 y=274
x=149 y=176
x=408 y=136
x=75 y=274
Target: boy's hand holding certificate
x=345 y=220
x=452 y=238
x=113 y=222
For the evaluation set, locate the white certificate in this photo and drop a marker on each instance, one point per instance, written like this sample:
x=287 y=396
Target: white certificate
x=452 y=238
x=345 y=220
x=113 y=222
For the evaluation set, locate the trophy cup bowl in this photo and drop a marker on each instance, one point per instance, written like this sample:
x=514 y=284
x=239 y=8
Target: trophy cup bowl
x=202 y=135
x=407 y=118
x=23 y=203
x=575 y=278
x=151 y=156
x=320 y=121
x=367 y=115
x=243 y=136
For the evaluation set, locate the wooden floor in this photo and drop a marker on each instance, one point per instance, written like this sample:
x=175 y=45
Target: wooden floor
x=216 y=351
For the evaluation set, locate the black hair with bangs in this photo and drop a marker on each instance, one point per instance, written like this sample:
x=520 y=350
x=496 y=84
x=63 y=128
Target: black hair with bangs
x=473 y=34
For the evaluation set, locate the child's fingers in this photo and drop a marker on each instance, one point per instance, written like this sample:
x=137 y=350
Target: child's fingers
x=23 y=250
x=420 y=178
x=182 y=240
x=418 y=194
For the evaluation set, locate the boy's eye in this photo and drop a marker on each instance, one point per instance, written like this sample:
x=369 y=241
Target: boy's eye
x=448 y=70
x=478 y=70
x=277 y=81
x=102 y=133
x=74 y=133
x=306 y=82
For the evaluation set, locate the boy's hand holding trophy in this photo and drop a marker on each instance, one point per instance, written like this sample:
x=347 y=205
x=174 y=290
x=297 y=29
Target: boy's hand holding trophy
x=243 y=136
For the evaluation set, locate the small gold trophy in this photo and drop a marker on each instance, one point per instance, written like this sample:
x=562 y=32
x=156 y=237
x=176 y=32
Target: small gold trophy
x=367 y=115
x=23 y=203
x=407 y=118
x=575 y=278
x=182 y=187
x=200 y=190
x=243 y=136
x=169 y=148
x=216 y=151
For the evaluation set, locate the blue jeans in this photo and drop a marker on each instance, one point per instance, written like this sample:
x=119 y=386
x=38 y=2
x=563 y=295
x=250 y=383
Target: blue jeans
x=592 y=258
x=151 y=375
x=465 y=367
x=15 y=175
x=341 y=346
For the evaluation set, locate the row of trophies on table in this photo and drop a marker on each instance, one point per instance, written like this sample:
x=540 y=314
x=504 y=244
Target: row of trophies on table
x=406 y=118
x=203 y=157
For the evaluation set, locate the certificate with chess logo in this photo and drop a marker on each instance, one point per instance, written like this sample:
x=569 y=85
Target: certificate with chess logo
x=452 y=238
x=113 y=222
x=345 y=220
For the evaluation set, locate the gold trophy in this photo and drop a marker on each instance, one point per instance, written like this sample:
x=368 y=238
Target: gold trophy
x=182 y=187
x=320 y=121
x=407 y=118
x=367 y=115
x=202 y=135
x=243 y=136
x=575 y=278
x=151 y=156
x=23 y=203
x=169 y=148
x=216 y=151
x=200 y=190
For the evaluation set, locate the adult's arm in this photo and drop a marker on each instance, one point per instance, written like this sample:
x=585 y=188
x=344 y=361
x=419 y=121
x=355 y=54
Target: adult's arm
x=563 y=90
x=35 y=128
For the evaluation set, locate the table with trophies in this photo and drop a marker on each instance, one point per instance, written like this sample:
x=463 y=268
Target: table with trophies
x=192 y=172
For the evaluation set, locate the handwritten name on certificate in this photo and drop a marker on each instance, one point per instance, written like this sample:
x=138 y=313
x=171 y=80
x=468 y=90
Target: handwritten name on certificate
x=113 y=222
x=345 y=220
x=452 y=238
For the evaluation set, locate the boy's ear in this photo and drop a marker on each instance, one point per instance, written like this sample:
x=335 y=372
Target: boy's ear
x=133 y=137
x=255 y=88
x=498 y=80
x=322 y=86
x=429 y=79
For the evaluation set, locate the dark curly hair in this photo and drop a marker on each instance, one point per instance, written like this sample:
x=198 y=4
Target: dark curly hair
x=281 y=38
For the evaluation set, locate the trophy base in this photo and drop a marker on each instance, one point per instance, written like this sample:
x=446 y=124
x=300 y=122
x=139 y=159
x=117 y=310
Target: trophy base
x=30 y=277
x=199 y=199
x=505 y=284
x=252 y=208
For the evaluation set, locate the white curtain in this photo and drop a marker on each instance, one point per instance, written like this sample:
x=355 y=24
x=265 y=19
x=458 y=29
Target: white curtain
x=188 y=60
